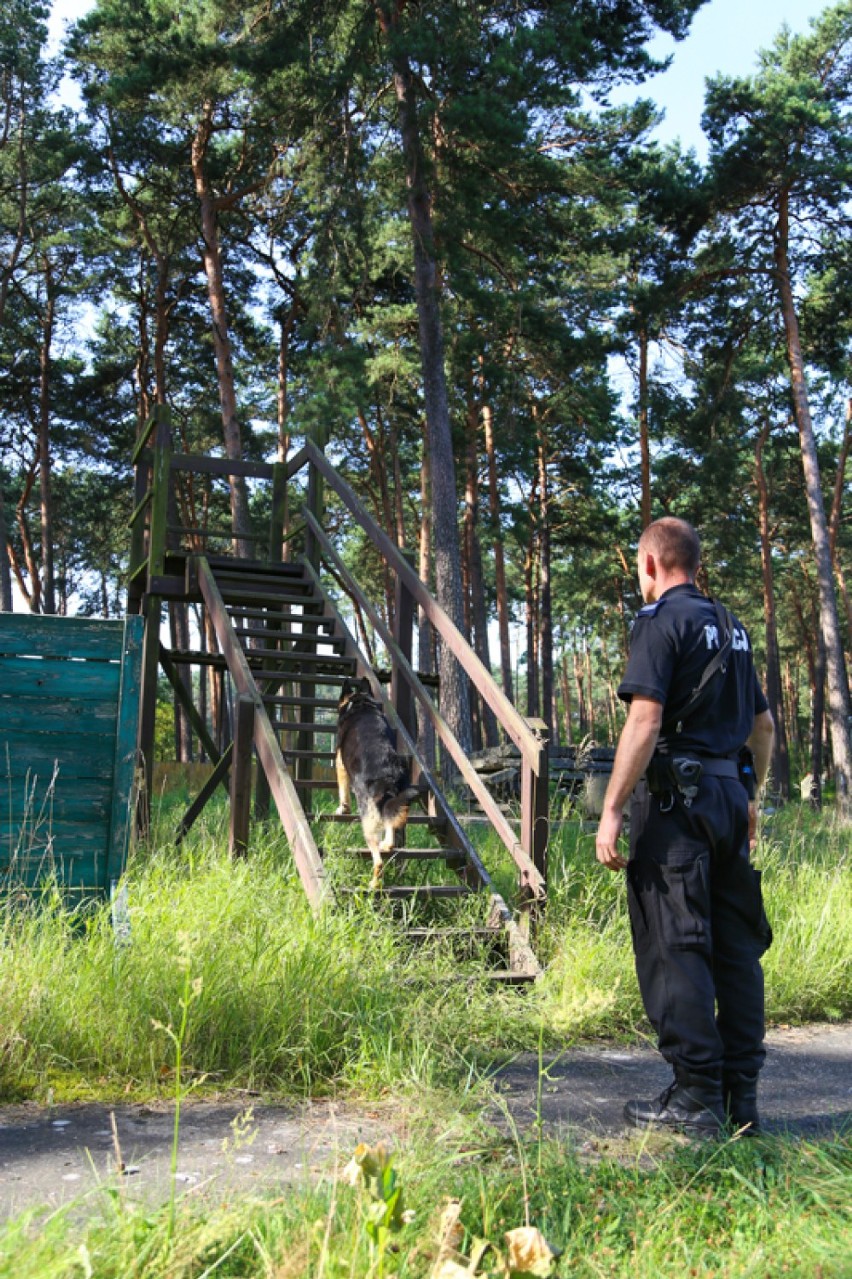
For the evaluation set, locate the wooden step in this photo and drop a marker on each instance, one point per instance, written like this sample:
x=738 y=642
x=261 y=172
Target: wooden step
x=323 y=703
x=437 y=824
x=299 y=654
x=245 y=593
x=276 y=614
x=262 y=579
x=326 y=756
x=482 y=934
x=272 y=630
x=224 y=563
x=505 y=977
x=342 y=664
x=411 y=892
x=450 y=856
x=332 y=679
x=302 y=726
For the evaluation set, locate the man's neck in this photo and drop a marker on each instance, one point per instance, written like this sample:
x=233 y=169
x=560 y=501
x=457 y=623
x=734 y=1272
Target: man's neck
x=669 y=582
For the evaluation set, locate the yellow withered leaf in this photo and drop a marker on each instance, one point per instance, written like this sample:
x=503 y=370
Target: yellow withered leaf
x=529 y=1253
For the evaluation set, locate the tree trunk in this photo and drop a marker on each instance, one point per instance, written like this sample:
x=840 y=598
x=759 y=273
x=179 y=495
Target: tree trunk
x=838 y=689
x=45 y=467
x=425 y=661
x=566 y=698
x=283 y=410
x=817 y=717
x=531 y=612
x=644 y=441
x=582 y=711
x=6 y=602
x=240 y=519
x=545 y=608
x=473 y=556
x=500 y=590
x=774 y=690
x=455 y=698
x=836 y=514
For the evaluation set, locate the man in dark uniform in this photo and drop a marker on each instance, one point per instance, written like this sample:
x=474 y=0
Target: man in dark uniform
x=696 y=910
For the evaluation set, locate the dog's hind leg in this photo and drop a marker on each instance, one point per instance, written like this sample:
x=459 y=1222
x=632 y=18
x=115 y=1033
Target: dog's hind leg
x=344 y=793
x=371 y=822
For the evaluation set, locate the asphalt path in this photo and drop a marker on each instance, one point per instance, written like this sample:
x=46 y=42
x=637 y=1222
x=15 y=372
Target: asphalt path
x=51 y=1156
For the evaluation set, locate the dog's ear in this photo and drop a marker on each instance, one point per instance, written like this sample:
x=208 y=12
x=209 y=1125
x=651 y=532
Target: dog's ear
x=364 y=686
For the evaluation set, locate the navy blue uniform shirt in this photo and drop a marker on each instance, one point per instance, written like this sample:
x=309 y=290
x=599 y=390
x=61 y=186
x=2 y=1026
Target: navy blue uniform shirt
x=673 y=641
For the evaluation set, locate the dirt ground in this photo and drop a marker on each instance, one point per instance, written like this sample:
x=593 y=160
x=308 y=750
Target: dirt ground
x=54 y=1155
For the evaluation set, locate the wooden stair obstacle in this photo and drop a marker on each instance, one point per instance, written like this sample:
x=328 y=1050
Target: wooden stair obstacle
x=69 y=701
x=287 y=649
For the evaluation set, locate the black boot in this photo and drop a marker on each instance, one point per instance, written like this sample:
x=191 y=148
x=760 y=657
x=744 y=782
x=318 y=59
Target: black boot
x=691 y=1103
x=740 y=1094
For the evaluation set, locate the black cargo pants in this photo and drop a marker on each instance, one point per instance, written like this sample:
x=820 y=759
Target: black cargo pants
x=699 y=928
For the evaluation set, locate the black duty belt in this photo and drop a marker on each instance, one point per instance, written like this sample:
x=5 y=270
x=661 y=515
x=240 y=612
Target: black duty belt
x=681 y=773
x=712 y=767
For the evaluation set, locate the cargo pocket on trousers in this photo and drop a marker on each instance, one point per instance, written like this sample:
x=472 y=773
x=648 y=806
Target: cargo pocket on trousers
x=759 y=922
x=684 y=904
x=638 y=887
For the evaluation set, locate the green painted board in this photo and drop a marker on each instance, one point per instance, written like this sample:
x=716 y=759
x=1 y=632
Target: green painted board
x=48 y=715
x=57 y=677
x=43 y=753
x=124 y=765
x=69 y=694
x=71 y=802
x=67 y=637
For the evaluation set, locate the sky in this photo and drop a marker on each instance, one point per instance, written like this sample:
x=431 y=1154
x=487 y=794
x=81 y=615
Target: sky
x=724 y=37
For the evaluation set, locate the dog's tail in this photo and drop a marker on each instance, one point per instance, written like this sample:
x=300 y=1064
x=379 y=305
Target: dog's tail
x=395 y=803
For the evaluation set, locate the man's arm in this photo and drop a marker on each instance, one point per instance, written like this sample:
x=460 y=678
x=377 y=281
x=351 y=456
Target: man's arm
x=635 y=748
x=760 y=743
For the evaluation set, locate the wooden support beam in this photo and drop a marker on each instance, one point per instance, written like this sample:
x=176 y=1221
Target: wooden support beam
x=241 y=775
x=188 y=705
x=219 y=774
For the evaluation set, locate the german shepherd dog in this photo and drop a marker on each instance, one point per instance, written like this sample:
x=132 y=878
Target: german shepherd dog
x=366 y=762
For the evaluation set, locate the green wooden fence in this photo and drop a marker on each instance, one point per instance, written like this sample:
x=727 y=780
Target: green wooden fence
x=69 y=708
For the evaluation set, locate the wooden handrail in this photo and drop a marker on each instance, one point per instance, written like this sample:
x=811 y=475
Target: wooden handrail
x=531 y=877
x=515 y=726
x=305 y=852
x=144 y=437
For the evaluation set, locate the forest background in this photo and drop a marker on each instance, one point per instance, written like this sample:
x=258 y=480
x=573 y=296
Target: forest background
x=434 y=238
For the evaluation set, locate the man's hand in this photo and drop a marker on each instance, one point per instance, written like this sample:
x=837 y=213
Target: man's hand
x=606 y=842
x=752 y=824
x=635 y=748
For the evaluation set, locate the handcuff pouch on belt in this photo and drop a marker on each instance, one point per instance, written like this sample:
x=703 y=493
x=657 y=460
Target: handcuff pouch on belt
x=670 y=774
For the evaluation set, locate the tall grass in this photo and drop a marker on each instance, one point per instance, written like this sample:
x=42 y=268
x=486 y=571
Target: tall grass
x=300 y=1004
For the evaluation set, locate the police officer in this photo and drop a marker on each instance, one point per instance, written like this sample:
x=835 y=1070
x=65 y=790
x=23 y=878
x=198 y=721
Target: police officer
x=696 y=911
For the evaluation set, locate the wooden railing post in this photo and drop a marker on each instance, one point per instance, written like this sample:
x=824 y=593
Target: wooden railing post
x=279 y=511
x=152 y=607
x=315 y=503
x=535 y=813
x=241 y=774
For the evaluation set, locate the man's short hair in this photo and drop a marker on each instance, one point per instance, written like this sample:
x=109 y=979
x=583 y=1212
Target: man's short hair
x=674 y=544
